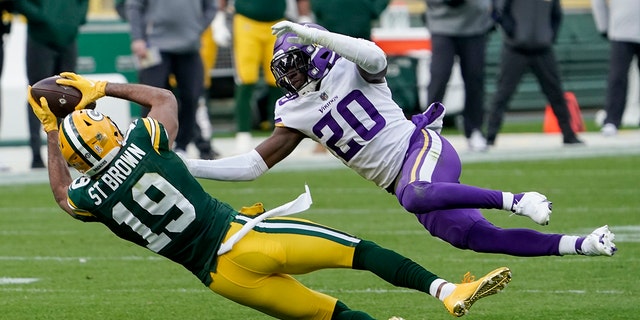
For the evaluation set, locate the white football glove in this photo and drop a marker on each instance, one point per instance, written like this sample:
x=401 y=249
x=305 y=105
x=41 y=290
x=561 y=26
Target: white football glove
x=221 y=34
x=305 y=35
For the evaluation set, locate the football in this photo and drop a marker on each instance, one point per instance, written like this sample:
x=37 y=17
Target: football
x=62 y=99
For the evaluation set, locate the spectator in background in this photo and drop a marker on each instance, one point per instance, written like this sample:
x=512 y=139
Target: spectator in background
x=119 y=6
x=530 y=28
x=6 y=7
x=460 y=28
x=203 y=127
x=619 y=21
x=349 y=17
x=165 y=38
x=252 y=50
x=52 y=31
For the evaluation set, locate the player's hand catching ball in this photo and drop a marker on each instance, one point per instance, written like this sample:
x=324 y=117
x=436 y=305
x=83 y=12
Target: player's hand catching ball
x=91 y=90
x=42 y=111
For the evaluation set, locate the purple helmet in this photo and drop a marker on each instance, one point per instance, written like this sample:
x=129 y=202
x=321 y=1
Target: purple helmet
x=313 y=60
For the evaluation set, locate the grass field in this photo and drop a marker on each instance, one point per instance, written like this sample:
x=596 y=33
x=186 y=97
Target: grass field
x=81 y=271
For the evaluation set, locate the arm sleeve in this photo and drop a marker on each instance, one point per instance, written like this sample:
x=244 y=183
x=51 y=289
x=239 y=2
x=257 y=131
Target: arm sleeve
x=364 y=53
x=244 y=167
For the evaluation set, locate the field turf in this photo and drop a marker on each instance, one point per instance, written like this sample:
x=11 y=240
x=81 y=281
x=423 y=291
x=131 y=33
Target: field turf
x=53 y=267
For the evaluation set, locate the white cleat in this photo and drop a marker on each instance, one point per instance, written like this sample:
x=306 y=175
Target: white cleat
x=599 y=243
x=535 y=206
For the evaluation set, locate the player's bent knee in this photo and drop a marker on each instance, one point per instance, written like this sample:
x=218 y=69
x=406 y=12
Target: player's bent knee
x=416 y=197
x=456 y=235
x=453 y=226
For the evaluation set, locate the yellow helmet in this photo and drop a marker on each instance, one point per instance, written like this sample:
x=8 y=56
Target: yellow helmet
x=89 y=140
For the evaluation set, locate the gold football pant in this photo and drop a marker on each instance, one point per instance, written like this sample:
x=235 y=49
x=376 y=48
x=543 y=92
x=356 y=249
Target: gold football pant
x=256 y=272
x=252 y=50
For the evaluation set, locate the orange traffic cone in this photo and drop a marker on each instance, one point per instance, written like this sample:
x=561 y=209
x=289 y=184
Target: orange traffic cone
x=550 y=124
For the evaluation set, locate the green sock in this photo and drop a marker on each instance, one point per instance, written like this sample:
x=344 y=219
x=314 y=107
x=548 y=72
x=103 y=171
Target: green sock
x=243 y=96
x=392 y=267
x=342 y=312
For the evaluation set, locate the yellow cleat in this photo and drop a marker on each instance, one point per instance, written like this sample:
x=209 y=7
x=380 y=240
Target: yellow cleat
x=469 y=291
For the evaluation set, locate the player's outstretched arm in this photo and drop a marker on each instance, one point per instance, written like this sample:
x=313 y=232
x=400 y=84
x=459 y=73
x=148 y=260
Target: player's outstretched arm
x=163 y=104
x=366 y=54
x=59 y=176
x=250 y=165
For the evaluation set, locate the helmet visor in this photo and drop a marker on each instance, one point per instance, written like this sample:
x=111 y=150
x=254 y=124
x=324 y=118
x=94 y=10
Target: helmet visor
x=290 y=69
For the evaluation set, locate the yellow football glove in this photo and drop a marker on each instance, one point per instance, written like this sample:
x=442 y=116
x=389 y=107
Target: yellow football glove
x=254 y=210
x=91 y=90
x=42 y=111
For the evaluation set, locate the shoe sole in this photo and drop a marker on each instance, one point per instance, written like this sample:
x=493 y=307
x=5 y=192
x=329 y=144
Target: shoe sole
x=492 y=284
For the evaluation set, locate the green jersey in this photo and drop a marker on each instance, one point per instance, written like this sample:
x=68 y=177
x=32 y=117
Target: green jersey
x=263 y=10
x=146 y=195
x=352 y=17
x=53 y=23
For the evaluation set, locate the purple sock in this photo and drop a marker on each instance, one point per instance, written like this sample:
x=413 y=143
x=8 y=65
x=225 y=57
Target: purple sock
x=510 y=200
x=579 y=245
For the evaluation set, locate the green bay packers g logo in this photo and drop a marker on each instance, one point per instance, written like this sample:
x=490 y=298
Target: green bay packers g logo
x=94 y=115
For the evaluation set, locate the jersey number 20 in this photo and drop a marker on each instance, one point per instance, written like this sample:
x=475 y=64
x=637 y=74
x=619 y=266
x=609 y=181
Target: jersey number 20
x=366 y=134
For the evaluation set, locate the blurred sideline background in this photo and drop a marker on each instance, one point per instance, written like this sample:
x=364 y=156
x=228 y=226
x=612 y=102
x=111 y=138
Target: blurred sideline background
x=104 y=53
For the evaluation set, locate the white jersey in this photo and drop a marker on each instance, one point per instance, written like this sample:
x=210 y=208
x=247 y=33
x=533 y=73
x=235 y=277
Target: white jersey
x=356 y=121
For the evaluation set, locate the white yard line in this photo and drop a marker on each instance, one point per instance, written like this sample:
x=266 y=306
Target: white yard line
x=4 y=280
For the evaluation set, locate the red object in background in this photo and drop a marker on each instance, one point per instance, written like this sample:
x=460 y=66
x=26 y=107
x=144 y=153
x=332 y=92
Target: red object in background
x=401 y=42
x=550 y=124
x=402 y=46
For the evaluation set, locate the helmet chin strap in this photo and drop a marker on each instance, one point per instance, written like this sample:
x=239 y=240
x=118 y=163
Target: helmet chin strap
x=102 y=163
x=311 y=86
